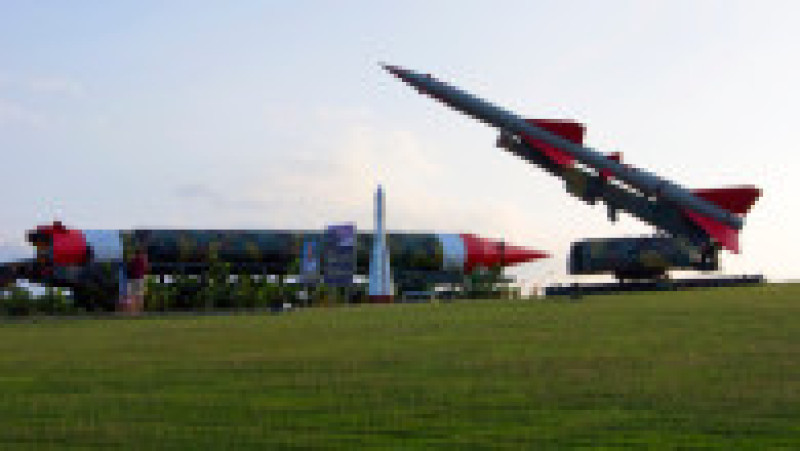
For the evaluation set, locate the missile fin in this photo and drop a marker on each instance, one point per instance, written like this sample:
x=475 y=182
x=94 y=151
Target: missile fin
x=570 y=130
x=557 y=156
x=736 y=199
x=725 y=235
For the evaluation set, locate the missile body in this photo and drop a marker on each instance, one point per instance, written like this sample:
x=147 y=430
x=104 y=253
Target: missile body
x=88 y=261
x=648 y=183
x=273 y=251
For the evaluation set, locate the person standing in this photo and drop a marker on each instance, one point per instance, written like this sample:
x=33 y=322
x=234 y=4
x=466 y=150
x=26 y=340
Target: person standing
x=137 y=270
x=123 y=302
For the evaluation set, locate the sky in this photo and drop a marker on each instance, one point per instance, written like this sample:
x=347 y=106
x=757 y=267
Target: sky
x=267 y=114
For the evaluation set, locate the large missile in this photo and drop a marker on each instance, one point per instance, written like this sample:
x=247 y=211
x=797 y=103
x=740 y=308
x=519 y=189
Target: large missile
x=273 y=250
x=643 y=181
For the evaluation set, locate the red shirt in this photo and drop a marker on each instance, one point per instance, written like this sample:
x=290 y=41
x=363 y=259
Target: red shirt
x=137 y=268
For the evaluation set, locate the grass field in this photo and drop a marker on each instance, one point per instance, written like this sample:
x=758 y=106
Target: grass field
x=714 y=368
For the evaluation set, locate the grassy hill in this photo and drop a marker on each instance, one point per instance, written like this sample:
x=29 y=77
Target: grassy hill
x=716 y=368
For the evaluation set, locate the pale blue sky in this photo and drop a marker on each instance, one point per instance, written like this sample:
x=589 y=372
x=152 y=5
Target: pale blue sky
x=276 y=115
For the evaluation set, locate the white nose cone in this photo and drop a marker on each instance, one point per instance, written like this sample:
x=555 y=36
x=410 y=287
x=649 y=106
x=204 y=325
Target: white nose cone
x=380 y=279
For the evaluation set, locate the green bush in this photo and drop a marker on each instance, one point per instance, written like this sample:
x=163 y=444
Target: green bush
x=266 y=293
x=54 y=302
x=160 y=297
x=17 y=301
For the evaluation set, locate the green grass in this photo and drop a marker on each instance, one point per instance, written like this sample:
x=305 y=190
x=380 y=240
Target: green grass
x=717 y=368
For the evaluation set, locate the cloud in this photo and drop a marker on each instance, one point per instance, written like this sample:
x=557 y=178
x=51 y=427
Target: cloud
x=204 y=193
x=331 y=176
x=55 y=86
x=195 y=191
x=42 y=85
x=336 y=176
x=14 y=114
x=18 y=113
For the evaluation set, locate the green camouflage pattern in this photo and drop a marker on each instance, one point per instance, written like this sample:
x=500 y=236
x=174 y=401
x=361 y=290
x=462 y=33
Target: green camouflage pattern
x=421 y=251
x=646 y=255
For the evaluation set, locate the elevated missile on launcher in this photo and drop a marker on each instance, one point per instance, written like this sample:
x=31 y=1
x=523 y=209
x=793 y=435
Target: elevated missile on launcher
x=704 y=219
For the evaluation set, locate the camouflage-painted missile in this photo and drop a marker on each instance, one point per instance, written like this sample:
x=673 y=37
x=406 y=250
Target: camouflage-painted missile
x=716 y=220
x=275 y=250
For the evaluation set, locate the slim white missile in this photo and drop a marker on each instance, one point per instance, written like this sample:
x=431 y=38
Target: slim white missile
x=380 y=279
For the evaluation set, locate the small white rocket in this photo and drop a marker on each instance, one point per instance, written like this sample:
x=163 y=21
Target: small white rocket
x=380 y=278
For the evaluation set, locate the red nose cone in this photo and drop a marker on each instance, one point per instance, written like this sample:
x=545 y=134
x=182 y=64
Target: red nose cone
x=488 y=253
x=514 y=255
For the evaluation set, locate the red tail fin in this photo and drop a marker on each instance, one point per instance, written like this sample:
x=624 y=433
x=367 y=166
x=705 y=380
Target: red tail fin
x=570 y=130
x=736 y=199
x=723 y=234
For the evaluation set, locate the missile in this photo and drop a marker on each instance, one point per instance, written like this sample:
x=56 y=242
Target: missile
x=706 y=214
x=85 y=260
x=275 y=250
x=380 y=277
